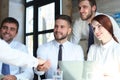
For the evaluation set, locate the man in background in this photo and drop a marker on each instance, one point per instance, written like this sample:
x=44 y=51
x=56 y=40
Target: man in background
x=8 y=31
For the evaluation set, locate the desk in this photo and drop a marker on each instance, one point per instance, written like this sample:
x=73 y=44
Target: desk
x=47 y=79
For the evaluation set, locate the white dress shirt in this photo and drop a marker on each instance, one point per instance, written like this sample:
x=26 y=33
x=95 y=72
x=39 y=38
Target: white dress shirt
x=21 y=73
x=18 y=58
x=49 y=51
x=81 y=31
x=107 y=57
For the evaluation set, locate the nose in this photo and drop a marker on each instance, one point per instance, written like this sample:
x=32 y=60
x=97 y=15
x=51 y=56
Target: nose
x=8 y=30
x=57 y=28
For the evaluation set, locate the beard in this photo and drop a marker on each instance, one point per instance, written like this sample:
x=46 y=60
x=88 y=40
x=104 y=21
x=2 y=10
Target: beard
x=60 y=36
x=87 y=16
x=6 y=37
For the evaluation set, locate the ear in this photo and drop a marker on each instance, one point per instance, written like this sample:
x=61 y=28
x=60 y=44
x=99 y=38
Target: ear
x=69 y=31
x=94 y=8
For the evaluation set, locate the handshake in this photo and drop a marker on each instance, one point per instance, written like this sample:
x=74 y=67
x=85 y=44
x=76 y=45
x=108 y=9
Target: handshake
x=43 y=65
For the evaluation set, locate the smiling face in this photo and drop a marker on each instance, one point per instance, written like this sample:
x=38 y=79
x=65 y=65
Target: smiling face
x=8 y=31
x=61 y=30
x=86 y=10
x=100 y=32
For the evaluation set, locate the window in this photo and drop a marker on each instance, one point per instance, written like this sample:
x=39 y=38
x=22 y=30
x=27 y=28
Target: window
x=28 y=0
x=46 y=21
x=39 y=22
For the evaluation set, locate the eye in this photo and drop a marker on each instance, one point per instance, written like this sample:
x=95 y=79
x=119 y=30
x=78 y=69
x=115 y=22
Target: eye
x=85 y=7
x=12 y=29
x=56 y=26
x=99 y=26
x=62 y=26
x=93 y=29
x=4 y=27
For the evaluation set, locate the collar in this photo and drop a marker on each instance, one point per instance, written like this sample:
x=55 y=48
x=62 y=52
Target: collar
x=108 y=44
x=57 y=43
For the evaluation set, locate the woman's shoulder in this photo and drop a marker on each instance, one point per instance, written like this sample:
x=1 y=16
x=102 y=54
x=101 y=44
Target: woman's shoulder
x=95 y=45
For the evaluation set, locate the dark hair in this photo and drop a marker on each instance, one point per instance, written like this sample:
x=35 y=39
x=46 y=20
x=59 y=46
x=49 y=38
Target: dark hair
x=10 y=20
x=106 y=23
x=66 y=18
x=92 y=2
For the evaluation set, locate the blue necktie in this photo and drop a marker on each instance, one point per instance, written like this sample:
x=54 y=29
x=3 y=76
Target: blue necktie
x=5 y=69
x=59 y=55
x=91 y=37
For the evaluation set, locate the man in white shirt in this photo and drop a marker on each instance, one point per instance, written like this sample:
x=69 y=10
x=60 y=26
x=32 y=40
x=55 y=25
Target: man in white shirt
x=80 y=34
x=8 y=31
x=70 y=51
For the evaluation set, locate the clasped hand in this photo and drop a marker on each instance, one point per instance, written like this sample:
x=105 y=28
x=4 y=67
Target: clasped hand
x=45 y=66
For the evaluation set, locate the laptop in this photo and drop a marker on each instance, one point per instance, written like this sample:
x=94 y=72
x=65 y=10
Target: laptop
x=77 y=70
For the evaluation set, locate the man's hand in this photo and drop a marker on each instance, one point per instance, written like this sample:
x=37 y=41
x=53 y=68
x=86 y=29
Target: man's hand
x=44 y=67
x=9 y=77
x=41 y=61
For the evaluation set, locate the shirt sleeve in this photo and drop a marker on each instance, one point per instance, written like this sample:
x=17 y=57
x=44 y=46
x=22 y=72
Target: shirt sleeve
x=90 y=53
x=41 y=49
x=25 y=73
x=81 y=53
x=76 y=33
x=15 y=57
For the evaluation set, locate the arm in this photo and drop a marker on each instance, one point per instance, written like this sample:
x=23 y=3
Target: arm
x=79 y=52
x=91 y=53
x=41 y=53
x=25 y=73
x=18 y=58
x=76 y=33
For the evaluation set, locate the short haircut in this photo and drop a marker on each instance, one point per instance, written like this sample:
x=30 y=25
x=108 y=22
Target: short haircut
x=66 y=18
x=10 y=20
x=92 y=2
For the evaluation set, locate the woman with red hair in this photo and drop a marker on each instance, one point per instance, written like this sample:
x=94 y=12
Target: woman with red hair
x=107 y=52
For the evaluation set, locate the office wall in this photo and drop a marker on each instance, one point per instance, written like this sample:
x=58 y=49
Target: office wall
x=108 y=6
x=67 y=7
x=16 y=10
x=111 y=7
x=3 y=9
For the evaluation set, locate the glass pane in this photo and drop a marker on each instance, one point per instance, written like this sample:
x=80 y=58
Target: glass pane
x=28 y=0
x=46 y=17
x=29 y=44
x=29 y=19
x=43 y=38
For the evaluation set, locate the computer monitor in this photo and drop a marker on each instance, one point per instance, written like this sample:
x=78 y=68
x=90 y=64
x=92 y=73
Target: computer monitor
x=77 y=70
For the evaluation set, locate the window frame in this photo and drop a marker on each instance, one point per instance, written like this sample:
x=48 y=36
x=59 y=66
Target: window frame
x=36 y=4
